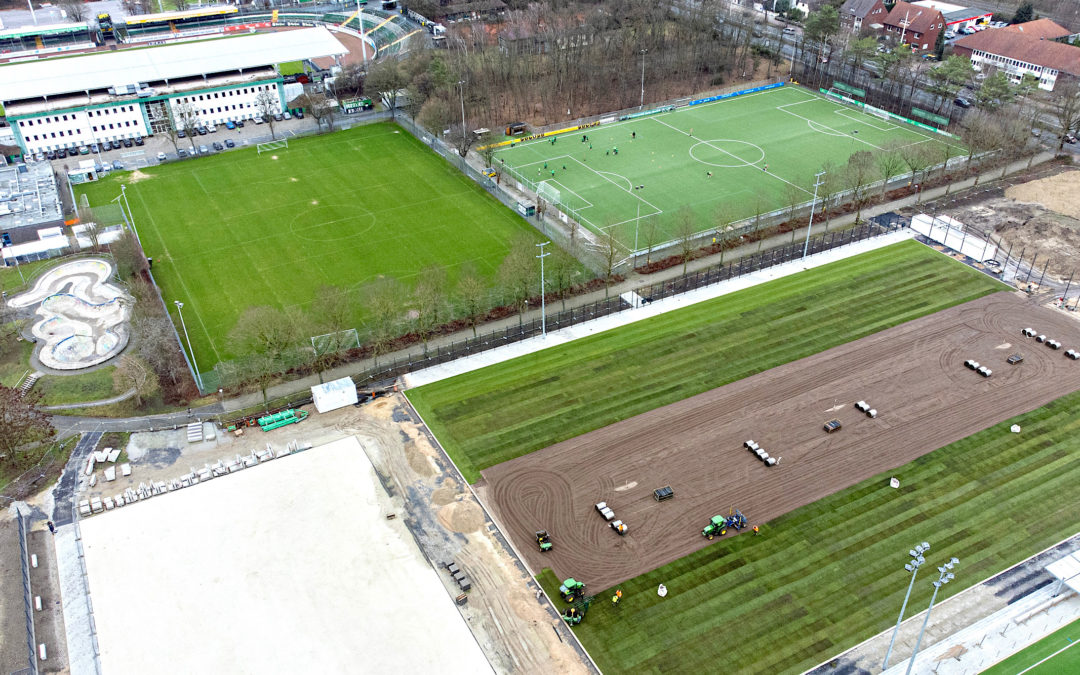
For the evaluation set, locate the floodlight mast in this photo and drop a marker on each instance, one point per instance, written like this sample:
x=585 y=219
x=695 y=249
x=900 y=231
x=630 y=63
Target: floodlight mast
x=917 y=560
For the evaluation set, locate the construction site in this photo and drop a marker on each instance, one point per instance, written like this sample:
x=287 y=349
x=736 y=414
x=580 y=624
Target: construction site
x=912 y=377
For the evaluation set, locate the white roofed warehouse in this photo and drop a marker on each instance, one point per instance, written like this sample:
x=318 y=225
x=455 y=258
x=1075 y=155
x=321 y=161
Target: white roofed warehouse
x=80 y=100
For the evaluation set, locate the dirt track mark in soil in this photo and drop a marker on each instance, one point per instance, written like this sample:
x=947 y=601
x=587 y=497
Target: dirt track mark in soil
x=913 y=374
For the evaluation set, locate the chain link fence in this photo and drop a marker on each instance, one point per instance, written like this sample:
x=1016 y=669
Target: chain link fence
x=643 y=295
x=28 y=598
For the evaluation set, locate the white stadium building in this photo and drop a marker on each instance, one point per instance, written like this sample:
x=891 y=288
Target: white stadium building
x=110 y=96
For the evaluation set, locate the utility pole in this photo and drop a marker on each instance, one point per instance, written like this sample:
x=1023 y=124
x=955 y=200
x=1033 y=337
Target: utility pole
x=131 y=216
x=643 y=53
x=543 y=291
x=194 y=366
x=813 y=204
x=637 y=222
x=461 y=89
x=917 y=560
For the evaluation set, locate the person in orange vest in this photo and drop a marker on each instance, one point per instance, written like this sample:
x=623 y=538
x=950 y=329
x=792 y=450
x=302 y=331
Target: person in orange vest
x=617 y=597
x=756 y=531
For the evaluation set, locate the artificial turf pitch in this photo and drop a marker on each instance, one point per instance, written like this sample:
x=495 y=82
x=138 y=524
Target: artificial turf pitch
x=660 y=167
x=831 y=574
x=237 y=229
x=1058 y=652
x=492 y=415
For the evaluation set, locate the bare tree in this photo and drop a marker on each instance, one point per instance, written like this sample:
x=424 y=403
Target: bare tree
x=22 y=424
x=318 y=108
x=610 y=252
x=722 y=216
x=90 y=227
x=74 y=9
x=268 y=104
x=561 y=273
x=156 y=344
x=127 y=255
x=890 y=163
x=388 y=77
x=685 y=229
x=383 y=300
x=187 y=118
x=471 y=294
x=132 y=373
x=1065 y=104
x=917 y=158
x=859 y=174
x=265 y=330
x=517 y=273
x=429 y=299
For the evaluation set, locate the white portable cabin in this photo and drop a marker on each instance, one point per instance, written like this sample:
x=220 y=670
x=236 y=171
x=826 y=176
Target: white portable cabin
x=333 y=395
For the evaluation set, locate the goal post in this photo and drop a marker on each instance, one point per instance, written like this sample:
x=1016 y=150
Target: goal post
x=549 y=193
x=335 y=342
x=272 y=145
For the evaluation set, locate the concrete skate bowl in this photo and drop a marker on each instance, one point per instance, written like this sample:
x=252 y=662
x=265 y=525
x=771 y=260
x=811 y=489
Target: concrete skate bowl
x=83 y=317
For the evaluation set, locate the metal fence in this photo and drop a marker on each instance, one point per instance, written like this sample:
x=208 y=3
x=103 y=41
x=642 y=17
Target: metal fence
x=612 y=305
x=28 y=599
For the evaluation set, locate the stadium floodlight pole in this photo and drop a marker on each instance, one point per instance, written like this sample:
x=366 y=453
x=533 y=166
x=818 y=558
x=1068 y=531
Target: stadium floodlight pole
x=917 y=560
x=131 y=216
x=643 y=53
x=637 y=223
x=360 y=24
x=945 y=577
x=194 y=366
x=461 y=95
x=543 y=294
x=32 y=15
x=813 y=205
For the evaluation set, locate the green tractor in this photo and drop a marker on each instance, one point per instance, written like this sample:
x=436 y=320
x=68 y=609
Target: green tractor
x=717 y=527
x=571 y=590
x=573 y=615
x=543 y=540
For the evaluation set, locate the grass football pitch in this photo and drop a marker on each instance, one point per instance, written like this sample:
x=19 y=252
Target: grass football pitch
x=237 y=229
x=507 y=410
x=1058 y=652
x=762 y=149
x=831 y=574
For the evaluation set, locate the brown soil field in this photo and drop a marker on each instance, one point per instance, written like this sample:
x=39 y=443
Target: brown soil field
x=913 y=374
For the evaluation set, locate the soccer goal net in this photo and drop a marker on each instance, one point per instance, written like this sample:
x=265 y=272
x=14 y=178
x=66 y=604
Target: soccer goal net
x=272 y=145
x=876 y=112
x=335 y=342
x=549 y=192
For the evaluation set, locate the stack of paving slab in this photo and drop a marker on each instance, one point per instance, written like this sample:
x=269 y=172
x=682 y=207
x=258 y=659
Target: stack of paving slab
x=194 y=477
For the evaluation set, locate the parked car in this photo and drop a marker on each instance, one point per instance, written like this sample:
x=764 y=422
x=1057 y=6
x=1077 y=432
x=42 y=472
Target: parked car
x=212 y=128
x=139 y=140
x=278 y=117
x=61 y=153
x=117 y=165
x=950 y=34
x=180 y=133
x=161 y=157
x=239 y=124
x=39 y=157
x=1069 y=138
x=257 y=119
x=287 y=115
x=229 y=143
x=201 y=131
x=230 y=125
x=218 y=146
x=203 y=150
x=181 y=153
x=127 y=142
x=83 y=150
x=299 y=114
x=962 y=102
x=51 y=154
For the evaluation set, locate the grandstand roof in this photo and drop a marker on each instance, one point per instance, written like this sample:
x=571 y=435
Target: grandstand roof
x=50 y=77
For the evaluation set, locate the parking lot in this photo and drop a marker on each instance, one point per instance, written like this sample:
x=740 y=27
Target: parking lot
x=138 y=156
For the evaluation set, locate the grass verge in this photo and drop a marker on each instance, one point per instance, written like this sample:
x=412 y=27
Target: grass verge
x=64 y=389
x=509 y=409
x=829 y=575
